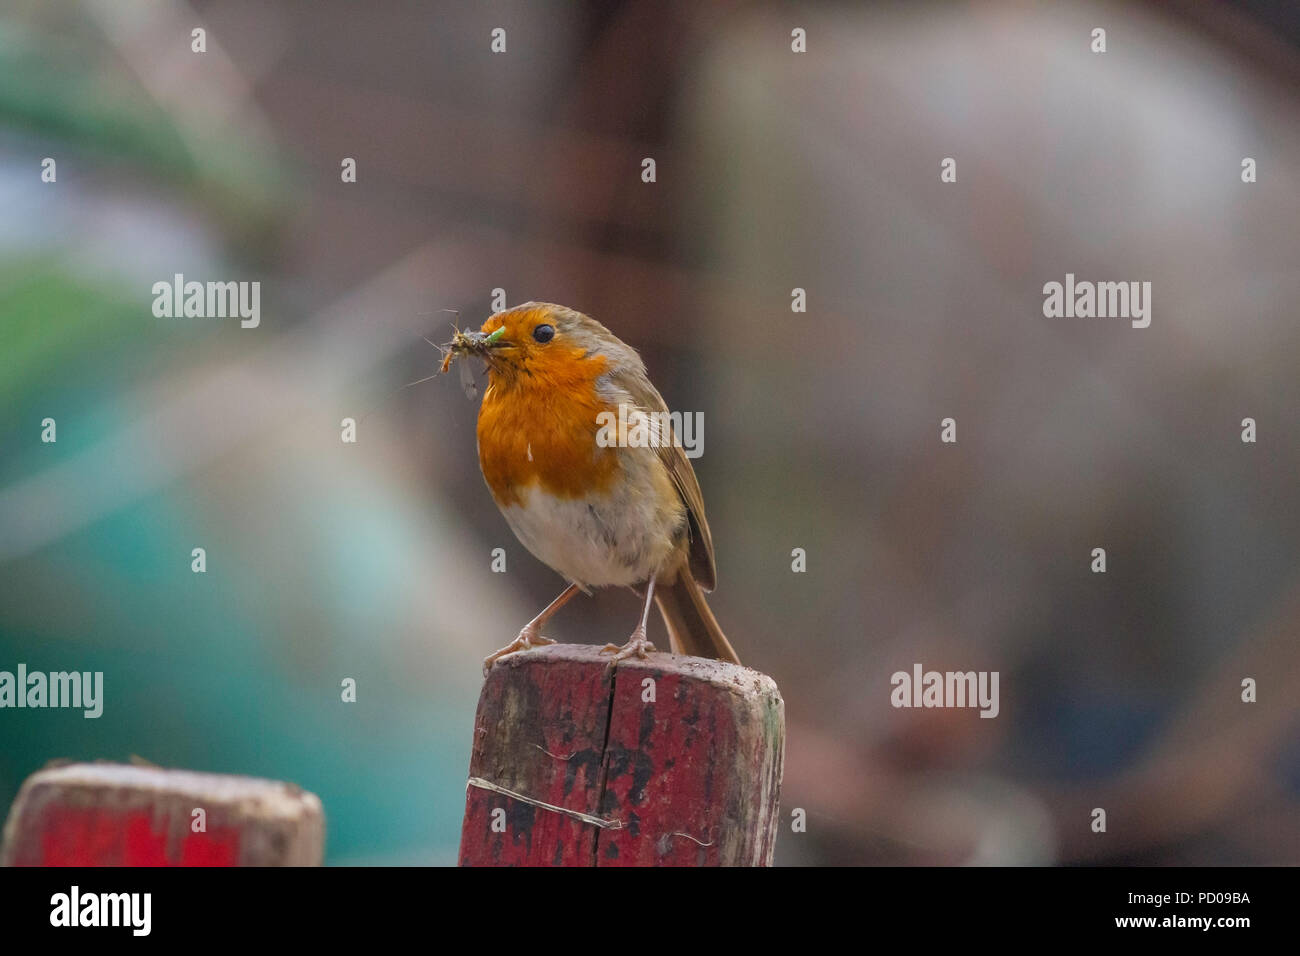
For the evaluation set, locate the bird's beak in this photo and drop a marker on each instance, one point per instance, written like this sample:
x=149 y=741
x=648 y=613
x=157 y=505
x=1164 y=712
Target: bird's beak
x=478 y=343
x=482 y=341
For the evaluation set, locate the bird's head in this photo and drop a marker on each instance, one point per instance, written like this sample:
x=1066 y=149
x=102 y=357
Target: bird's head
x=541 y=344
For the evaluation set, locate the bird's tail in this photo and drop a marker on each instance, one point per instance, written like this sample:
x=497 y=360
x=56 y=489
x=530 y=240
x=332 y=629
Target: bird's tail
x=692 y=628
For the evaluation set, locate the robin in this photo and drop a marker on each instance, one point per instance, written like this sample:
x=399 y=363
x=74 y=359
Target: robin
x=601 y=513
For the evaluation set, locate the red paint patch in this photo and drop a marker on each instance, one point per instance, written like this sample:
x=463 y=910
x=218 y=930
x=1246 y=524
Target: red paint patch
x=95 y=836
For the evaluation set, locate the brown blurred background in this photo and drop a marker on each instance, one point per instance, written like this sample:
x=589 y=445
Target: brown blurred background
x=775 y=170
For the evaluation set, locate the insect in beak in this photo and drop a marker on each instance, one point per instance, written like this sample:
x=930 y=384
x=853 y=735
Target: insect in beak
x=464 y=345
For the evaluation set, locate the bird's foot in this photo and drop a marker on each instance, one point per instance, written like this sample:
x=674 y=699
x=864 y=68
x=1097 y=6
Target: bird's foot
x=636 y=646
x=529 y=637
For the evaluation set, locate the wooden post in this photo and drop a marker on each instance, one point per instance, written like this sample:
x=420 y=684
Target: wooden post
x=105 y=814
x=670 y=761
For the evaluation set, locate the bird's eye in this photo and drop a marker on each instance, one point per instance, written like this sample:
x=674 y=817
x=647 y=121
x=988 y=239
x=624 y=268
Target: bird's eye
x=544 y=333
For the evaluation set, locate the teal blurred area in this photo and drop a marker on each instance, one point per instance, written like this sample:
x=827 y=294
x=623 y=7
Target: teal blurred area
x=324 y=561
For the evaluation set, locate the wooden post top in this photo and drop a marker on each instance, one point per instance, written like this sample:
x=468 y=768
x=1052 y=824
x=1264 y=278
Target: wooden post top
x=665 y=761
x=724 y=675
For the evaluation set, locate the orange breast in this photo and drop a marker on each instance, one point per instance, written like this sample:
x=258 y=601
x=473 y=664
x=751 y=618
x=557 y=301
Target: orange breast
x=537 y=427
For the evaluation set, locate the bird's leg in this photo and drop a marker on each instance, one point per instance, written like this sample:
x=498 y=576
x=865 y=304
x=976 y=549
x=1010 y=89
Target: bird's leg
x=531 y=634
x=636 y=645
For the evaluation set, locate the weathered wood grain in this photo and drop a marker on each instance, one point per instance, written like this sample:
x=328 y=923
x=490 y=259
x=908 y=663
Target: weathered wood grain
x=670 y=761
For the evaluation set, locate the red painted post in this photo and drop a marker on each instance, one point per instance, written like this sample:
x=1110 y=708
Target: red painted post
x=670 y=761
x=105 y=814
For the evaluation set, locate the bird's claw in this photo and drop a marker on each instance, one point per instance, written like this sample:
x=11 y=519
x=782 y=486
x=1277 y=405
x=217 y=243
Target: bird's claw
x=636 y=646
x=526 y=639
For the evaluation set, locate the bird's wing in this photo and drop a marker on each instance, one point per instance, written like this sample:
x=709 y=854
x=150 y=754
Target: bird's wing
x=647 y=398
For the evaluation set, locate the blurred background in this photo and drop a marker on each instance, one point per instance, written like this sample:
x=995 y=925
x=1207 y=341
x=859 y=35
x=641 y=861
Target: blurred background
x=775 y=170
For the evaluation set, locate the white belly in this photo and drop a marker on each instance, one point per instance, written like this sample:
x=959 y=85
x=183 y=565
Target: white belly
x=622 y=539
